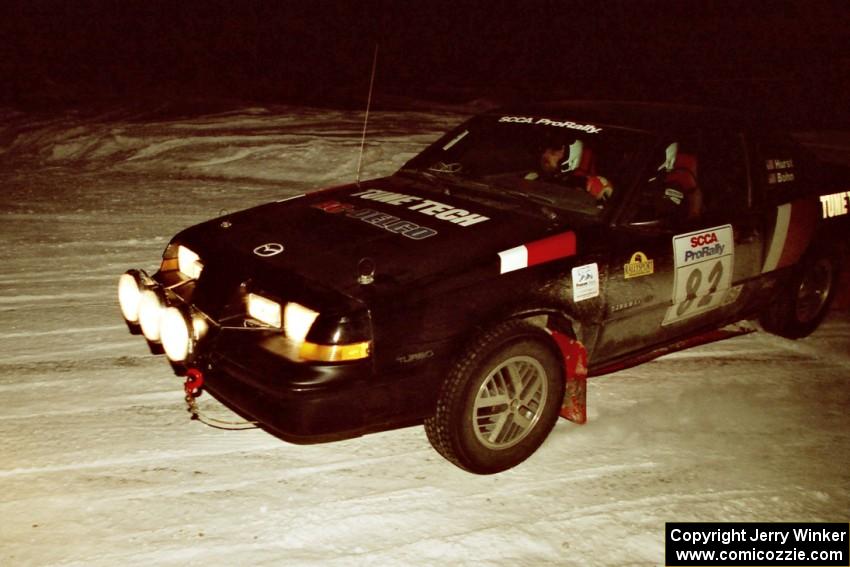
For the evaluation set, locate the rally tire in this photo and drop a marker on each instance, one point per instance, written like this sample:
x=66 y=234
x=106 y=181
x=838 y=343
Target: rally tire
x=805 y=300
x=500 y=400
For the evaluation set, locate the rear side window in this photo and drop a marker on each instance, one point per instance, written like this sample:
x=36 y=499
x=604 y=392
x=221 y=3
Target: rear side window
x=724 y=172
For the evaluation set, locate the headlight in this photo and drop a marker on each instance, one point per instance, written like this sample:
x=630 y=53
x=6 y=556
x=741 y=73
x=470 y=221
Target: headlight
x=176 y=333
x=151 y=306
x=297 y=321
x=189 y=263
x=129 y=294
x=264 y=310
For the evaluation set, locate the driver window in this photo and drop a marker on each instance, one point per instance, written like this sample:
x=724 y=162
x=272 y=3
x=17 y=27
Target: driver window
x=671 y=193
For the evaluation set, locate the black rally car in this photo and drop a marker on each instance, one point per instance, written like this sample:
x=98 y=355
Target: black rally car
x=476 y=288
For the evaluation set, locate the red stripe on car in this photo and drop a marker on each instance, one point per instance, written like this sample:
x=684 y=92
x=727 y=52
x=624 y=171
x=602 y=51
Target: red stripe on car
x=801 y=228
x=538 y=252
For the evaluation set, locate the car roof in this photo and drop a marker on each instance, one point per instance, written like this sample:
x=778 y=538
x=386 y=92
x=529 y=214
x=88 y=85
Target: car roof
x=648 y=116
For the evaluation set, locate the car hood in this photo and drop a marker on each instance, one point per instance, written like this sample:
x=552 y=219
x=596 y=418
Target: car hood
x=407 y=232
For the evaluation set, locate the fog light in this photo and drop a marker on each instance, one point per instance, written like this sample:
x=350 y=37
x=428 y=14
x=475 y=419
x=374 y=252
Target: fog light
x=129 y=293
x=151 y=306
x=176 y=334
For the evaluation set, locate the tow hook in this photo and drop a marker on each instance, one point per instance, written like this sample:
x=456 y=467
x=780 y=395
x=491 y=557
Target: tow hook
x=194 y=385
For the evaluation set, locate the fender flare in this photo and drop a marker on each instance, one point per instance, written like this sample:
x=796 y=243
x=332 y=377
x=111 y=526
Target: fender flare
x=561 y=327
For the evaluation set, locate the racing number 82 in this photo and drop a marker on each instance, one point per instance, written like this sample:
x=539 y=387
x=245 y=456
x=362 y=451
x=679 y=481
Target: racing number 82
x=692 y=287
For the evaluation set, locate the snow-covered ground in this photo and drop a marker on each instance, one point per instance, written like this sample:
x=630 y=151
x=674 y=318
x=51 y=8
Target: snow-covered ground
x=100 y=464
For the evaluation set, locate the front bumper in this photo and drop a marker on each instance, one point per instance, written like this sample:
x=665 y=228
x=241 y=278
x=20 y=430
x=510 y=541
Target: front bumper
x=303 y=403
x=249 y=371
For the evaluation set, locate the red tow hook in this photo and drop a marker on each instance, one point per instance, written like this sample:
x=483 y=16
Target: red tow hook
x=194 y=385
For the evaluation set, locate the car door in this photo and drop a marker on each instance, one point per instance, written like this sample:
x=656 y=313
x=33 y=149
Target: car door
x=676 y=267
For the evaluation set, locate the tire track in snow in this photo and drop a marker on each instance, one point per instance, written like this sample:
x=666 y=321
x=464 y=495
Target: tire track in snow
x=16 y=300
x=163 y=456
x=55 y=356
x=69 y=331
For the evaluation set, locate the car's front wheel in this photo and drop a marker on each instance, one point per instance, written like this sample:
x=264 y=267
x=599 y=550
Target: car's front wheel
x=499 y=401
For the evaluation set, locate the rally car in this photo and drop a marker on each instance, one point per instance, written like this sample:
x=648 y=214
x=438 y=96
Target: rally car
x=476 y=288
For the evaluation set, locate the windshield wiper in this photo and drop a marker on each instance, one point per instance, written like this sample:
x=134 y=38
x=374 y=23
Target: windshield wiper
x=536 y=197
x=448 y=180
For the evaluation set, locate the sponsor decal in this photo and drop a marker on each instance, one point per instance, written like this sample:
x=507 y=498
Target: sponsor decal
x=268 y=249
x=589 y=128
x=385 y=221
x=835 y=205
x=702 y=272
x=639 y=265
x=538 y=252
x=428 y=207
x=585 y=282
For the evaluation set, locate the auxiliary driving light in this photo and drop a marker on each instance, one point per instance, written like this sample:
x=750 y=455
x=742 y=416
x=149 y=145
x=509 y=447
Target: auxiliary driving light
x=176 y=332
x=129 y=293
x=151 y=306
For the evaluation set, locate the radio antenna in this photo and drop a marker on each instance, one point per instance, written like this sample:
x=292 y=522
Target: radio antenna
x=366 y=120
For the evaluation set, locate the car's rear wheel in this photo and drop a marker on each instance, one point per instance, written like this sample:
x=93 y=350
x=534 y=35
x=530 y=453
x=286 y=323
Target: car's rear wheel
x=805 y=301
x=499 y=401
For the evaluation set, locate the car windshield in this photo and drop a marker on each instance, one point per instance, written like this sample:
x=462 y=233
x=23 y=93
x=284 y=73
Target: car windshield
x=570 y=165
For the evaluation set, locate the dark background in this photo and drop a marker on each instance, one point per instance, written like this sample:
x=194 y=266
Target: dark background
x=791 y=58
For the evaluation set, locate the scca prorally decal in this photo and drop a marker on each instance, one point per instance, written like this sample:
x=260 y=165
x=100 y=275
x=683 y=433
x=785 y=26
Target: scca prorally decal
x=589 y=128
x=835 y=205
x=703 y=262
x=386 y=221
x=428 y=207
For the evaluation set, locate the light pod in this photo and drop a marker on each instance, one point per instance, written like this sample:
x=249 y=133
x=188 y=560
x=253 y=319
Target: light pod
x=177 y=334
x=151 y=307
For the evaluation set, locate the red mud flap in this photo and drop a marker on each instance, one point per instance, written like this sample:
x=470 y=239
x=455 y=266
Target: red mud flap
x=574 y=407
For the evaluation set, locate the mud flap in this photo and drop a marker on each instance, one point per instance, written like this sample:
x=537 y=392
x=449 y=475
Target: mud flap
x=574 y=407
